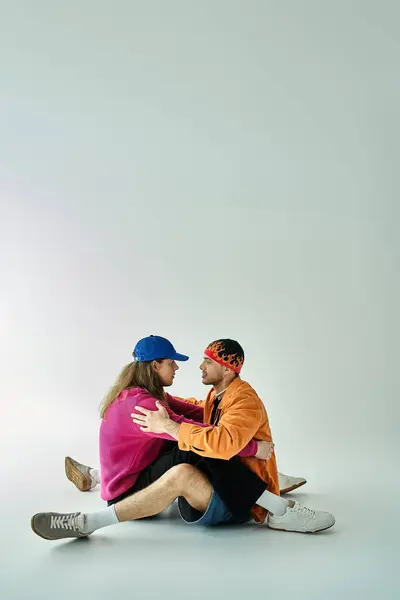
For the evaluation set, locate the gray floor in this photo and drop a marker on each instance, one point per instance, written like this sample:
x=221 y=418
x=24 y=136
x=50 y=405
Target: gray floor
x=163 y=558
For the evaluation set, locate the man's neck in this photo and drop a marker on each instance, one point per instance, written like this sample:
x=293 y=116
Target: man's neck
x=219 y=388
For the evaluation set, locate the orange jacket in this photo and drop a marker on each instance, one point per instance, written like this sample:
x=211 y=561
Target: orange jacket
x=240 y=417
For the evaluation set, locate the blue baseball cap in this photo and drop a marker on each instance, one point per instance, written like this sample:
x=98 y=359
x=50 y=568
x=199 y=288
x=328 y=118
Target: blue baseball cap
x=154 y=347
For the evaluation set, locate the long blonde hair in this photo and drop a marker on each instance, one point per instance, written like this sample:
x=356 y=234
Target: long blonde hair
x=135 y=374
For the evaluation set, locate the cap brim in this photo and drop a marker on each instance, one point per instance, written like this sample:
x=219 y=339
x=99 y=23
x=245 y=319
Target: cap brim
x=178 y=356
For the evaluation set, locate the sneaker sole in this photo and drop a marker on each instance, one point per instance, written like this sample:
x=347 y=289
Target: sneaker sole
x=293 y=487
x=75 y=476
x=295 y=530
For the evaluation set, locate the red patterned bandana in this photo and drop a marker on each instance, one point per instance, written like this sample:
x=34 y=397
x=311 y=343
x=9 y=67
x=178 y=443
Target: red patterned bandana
x=227 y=353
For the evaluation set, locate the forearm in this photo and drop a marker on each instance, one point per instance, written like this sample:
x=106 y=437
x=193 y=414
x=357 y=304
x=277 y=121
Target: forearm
x=224 y=441
x=172 y=429
x=191 y=400
x=181 y=418
x=250 y=450
x=191 y=411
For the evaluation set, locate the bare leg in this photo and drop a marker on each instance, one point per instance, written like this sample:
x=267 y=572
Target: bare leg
x=182 y=480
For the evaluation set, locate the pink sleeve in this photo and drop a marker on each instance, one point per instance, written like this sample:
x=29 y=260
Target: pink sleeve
x=182 y=419
x=148 y=401
x=249 y=450
x=191 y=411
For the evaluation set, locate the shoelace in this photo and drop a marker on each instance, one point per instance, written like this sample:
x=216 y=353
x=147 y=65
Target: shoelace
x=303 y=510
x=69 y=521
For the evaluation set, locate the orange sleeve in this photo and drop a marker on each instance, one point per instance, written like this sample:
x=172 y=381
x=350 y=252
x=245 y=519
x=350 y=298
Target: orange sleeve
x=236 y=427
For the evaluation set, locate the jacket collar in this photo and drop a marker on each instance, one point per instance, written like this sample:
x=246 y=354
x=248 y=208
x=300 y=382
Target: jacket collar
x=231 y=389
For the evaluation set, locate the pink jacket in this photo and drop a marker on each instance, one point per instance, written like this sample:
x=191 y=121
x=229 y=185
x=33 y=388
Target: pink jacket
x=125 y=450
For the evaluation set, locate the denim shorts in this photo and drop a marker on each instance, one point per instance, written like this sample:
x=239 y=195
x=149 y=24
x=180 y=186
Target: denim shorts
x=217 y=513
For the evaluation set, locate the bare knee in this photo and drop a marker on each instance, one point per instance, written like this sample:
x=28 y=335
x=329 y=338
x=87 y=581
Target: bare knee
x=180 y=475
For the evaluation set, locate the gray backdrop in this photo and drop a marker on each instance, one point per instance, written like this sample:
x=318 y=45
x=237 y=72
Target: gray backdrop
x=201 y=170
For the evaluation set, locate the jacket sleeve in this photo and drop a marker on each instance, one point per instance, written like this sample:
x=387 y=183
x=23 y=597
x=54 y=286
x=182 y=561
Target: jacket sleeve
x=236 y=428
x=196 y=412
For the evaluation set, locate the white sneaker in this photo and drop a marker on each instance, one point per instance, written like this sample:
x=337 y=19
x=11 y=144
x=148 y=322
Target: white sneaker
x=288 y=484
x=301 y=519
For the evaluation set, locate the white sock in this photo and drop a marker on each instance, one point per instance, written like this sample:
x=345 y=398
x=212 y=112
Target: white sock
x=99 y=519
x=273 y=503
x=95 y=475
